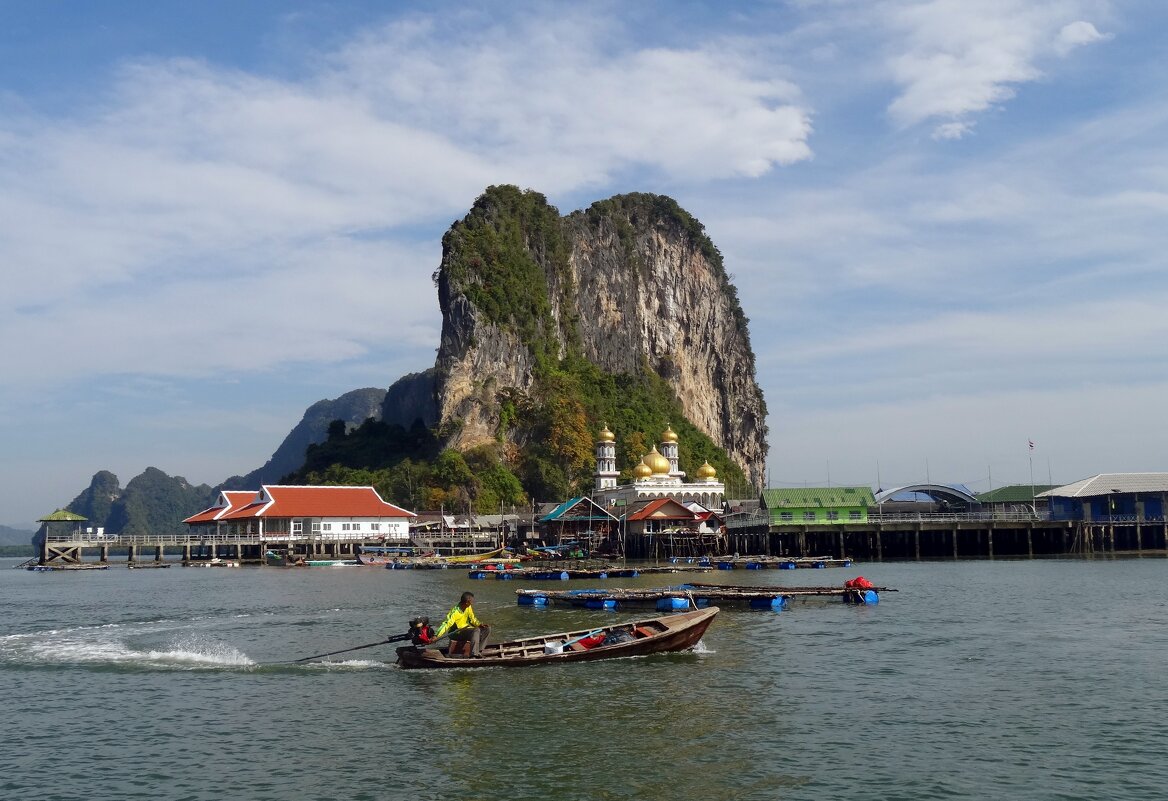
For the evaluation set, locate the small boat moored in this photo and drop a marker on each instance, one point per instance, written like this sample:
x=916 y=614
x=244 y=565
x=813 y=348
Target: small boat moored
x=636 y=638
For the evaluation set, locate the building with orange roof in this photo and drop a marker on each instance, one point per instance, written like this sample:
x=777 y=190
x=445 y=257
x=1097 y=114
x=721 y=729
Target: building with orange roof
x=286 y=513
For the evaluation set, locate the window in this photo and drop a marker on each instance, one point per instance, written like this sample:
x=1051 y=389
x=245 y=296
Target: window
x=316 y=526
x=326 y=526
x=809 y=515
x=833 y=515
x=854 y=514
x=297 y=526
x=344 y=526
x=786 y=515
x=375 y=527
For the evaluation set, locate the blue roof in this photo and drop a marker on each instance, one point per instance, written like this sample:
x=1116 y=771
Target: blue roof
x=560 y=513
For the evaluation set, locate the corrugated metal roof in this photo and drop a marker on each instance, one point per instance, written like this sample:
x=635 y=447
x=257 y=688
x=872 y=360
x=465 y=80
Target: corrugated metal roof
x=1110 y=483
x=1014 y=493
x=591 y=511
x=803 y=497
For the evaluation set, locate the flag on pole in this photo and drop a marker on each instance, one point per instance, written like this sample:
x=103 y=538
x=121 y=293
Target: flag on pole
x=1031 y=443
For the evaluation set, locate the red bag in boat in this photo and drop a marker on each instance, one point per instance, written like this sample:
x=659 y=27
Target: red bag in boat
x=859 y=583
x=593 y=641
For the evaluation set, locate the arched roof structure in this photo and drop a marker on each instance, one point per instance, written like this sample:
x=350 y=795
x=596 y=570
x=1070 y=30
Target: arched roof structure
x=948 y=493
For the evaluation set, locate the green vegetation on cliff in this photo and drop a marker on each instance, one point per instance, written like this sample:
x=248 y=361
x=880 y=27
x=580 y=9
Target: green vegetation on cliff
x=500 y=257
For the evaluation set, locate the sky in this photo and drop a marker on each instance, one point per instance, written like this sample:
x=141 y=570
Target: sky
x=947 y=219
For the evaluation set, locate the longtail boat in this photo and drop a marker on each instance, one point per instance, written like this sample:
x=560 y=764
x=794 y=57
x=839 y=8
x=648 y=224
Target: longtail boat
x=636 y=638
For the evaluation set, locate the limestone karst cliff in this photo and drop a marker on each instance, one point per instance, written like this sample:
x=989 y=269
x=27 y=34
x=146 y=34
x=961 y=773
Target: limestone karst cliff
x=630 y=284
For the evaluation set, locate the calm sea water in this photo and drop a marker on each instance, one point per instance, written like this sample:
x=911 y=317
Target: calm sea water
x=995 y=680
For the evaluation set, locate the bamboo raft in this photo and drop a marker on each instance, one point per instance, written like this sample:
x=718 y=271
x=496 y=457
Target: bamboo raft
x=699 y=596
x=676 y=565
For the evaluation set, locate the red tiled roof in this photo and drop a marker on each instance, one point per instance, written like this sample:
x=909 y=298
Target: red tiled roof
x=228 y=500
x=653 y=507
x=287 y=501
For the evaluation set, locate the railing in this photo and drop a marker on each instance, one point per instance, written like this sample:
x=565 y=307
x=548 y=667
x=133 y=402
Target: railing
x=759 y=519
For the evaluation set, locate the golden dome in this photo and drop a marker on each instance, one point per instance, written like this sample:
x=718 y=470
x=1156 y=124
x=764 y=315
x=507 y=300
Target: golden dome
x=606 y=435
x=642 y=470
x=707 y=471
x=658 y=463
x=669 y=435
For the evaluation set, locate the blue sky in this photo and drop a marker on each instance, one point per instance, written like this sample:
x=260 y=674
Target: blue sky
x=946 y=218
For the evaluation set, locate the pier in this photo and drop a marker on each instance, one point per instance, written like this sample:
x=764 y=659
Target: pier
x=79 y=547
x=948 y=537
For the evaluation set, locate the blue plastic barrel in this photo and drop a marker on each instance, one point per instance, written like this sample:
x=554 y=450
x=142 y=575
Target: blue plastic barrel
x=504 y=575
x=753 y=566
x=672 y=604
x=600 y=603
x=478 y=574
x=602 y=575
x=820 y=564
x=725 y=565
x=533 y=600
x=871 y=597
x=847 y=563
x=787 y=565
x=776 y=604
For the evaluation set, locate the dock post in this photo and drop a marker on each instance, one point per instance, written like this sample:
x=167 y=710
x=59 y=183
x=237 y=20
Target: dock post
x=186 y=552
x=103 y=554
x=917 y=542
x=954 y=542
x=131 y=552
x=879 y=547
x=990 y=541
x=158 y=553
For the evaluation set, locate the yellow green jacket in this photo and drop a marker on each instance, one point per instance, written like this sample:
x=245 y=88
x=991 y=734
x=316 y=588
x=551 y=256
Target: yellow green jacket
x=458 y=619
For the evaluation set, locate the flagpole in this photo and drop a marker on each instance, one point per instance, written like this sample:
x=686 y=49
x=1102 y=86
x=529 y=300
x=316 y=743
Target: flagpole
x=1033 y=502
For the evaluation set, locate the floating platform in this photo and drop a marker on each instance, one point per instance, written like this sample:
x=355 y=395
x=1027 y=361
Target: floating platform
x=761 y=562
x=689 y=596
x=67 y=567
x=554 y=574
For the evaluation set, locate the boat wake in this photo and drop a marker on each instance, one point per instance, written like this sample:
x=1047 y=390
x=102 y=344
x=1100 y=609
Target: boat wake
x=113 y=646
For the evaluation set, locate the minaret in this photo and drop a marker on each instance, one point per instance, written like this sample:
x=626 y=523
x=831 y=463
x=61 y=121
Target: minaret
x=606 y=472
x=669 y=451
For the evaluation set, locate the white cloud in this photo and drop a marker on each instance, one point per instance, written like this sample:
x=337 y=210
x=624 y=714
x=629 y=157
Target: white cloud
x=1077 y=33
x=210 y=206
x=954 y=59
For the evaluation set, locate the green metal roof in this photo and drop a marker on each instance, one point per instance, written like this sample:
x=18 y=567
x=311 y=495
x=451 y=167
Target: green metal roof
x=63 y=516
x=576 y=509
x=1014 y=493
x=821 y=497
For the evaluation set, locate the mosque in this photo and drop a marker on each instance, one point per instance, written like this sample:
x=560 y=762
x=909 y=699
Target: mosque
x=656 y=476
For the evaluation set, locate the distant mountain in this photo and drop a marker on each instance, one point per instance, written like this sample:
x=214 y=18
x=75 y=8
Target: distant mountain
x=152 y=503
x=353 y=408
x=15 y=536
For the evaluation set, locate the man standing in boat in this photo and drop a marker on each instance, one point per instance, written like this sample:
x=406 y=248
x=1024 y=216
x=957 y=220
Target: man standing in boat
x=468 y=634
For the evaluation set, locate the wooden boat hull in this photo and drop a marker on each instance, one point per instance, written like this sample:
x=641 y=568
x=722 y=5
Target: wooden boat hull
x=654 y=635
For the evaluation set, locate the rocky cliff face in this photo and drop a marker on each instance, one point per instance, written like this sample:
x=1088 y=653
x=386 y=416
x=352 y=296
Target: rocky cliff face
x=632 y=283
